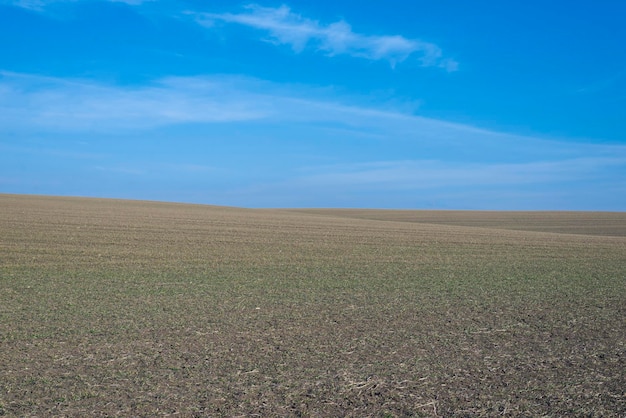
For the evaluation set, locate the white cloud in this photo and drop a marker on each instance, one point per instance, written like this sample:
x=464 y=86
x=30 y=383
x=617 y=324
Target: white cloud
x=27 y=4
x=31 y=104
x=287 y=27
x=32 y=101
x=559 y=184
x=404 y=156
x=143 y=168
x=52 y=103
x=39 y=5
x=429 y=174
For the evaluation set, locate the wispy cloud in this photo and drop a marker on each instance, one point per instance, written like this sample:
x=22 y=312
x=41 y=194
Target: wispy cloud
x=40 y=5
x=164 y=169
x=32 y=103
x=406 y=158
x=559 y=184
x=26 y=4
x=120 y=170
x=286 y=27
x=53 y=103
x=602 y=84
x=428 y=174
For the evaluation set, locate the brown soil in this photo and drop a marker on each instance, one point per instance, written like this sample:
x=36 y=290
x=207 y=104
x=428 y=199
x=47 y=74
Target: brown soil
x=127 y=308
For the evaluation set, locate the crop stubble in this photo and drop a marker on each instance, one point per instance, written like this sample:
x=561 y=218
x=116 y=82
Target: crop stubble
x=112 y=307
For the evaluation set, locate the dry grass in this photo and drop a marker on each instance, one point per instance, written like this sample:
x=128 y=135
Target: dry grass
x=140 y=308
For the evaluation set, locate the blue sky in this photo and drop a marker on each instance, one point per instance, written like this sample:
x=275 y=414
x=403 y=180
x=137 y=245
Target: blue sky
x=395 y=104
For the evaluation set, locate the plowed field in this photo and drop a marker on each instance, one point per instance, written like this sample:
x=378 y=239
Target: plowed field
x=129 y=308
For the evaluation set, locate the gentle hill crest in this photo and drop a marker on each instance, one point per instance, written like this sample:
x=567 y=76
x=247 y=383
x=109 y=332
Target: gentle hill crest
x=562 y=222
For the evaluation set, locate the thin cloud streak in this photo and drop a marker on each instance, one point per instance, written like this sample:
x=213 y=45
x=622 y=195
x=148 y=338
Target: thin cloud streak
x=40 y=5
x=422 y=157
x=75 y=105
x=548 y=185
x=161 y=169
x=289 y=28
x=31 y=103
x=52 y=103
x=428 y=174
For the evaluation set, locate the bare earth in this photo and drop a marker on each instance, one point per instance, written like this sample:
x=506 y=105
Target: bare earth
x=127 y=308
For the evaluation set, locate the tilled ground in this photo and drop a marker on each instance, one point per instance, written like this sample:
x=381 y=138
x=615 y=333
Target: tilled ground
x=141 y=309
